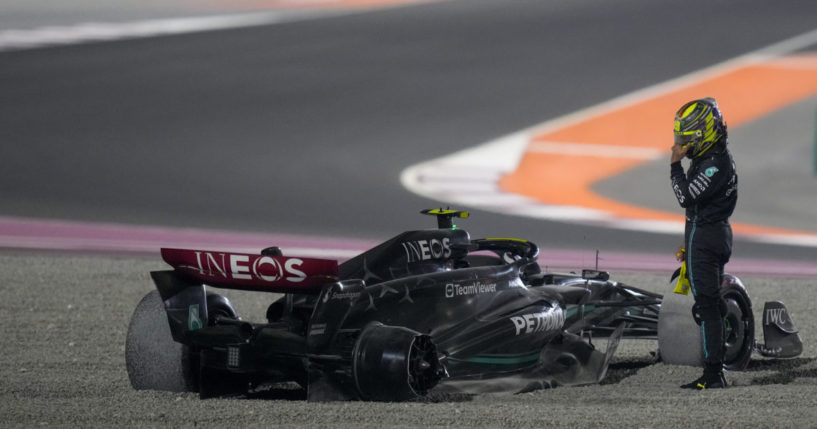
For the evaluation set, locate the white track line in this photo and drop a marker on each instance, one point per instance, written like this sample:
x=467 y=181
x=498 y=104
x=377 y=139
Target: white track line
x=18 y=39
x=98 y=31
x=490 y=161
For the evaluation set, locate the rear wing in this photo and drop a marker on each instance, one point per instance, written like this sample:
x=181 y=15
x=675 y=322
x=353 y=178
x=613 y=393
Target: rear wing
x=264 y=273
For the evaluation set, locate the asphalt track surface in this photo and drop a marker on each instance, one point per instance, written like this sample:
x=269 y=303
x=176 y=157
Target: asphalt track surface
x=304 y=127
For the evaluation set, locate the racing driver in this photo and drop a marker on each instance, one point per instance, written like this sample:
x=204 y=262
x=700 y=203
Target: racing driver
x=708 y=191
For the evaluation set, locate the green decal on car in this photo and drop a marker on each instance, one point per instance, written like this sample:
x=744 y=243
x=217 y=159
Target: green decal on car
x=193 y=319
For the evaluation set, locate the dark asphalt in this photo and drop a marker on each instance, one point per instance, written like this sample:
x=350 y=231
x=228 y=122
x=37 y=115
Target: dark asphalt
x=304 y=127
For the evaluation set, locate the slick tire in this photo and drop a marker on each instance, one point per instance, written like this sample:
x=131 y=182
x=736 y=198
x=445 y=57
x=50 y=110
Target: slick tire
x=739 y=334
x=153 y=360
x=679 y=337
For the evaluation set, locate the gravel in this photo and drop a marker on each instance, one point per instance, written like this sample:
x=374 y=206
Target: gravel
x=63 y=321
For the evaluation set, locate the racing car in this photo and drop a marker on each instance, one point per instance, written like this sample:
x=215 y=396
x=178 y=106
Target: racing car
x=426 y=311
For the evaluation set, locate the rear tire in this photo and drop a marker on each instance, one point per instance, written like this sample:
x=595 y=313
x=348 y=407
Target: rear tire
x=219 y=306
x=392 y=363
x=153 y=359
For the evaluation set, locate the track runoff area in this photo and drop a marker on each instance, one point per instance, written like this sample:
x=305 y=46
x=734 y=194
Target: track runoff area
x=525 y=173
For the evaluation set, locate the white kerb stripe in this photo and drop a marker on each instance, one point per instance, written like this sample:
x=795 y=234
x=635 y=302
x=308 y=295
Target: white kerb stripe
x=97 y=31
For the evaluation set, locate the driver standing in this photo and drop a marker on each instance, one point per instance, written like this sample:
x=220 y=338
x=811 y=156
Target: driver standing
x=708 y=191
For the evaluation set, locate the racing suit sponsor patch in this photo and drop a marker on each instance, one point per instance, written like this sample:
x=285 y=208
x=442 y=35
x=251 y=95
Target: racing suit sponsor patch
x=678 y=193
x=693 y=188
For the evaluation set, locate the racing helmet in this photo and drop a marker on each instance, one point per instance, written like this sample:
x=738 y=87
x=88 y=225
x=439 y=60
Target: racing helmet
x=699 y=123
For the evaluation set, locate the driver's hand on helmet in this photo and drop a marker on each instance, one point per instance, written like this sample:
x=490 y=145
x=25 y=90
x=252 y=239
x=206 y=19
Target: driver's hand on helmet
x=678 y=152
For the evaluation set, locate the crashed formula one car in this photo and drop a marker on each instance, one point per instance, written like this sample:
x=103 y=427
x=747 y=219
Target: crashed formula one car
x=426 y=311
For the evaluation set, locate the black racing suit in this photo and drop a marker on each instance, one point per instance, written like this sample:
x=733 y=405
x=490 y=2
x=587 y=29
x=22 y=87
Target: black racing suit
x=708 y=192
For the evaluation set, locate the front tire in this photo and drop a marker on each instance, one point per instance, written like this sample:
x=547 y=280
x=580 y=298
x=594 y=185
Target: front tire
x=679 y=337
x=739 y=333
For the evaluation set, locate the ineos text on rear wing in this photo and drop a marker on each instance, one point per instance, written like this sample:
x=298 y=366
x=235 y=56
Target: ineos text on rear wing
x=265 y=273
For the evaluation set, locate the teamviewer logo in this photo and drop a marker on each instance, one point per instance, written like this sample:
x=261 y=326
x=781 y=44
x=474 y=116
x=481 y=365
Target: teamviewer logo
x=449 y=290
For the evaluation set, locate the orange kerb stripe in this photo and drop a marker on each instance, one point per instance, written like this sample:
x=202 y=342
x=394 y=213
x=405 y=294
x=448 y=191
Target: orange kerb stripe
x=744 y=94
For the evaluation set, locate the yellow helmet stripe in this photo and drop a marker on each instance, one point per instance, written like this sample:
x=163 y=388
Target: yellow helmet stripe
x=689 y=110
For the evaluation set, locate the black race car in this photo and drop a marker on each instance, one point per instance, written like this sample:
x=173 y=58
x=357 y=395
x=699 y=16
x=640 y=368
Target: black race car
x=426 y=311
